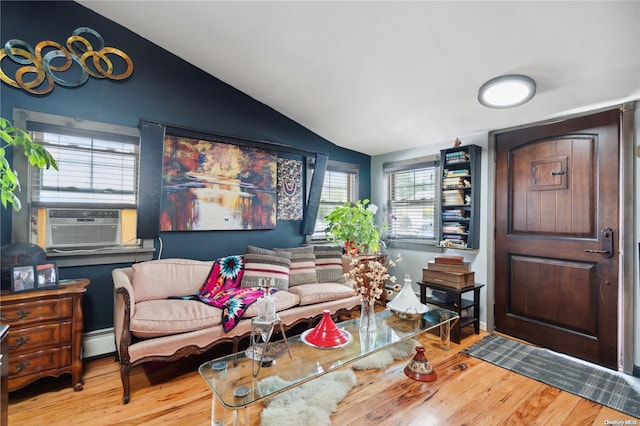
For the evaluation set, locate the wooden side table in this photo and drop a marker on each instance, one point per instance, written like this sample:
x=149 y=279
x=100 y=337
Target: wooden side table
x=458 y=304
x=45 y=334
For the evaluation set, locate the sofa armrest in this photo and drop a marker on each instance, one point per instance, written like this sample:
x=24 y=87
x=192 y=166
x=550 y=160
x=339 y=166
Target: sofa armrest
x=123 y=309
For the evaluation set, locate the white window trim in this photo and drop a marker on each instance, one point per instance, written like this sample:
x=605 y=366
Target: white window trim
x=414 y=243
x=20 y=226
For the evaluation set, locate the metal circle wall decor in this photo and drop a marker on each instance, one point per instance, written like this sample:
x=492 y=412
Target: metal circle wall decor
x=50 y=62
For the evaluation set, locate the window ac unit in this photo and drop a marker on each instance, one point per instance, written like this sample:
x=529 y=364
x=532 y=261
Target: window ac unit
x=82 y=228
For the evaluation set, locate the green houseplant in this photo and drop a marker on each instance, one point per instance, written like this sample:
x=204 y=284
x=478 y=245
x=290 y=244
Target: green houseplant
x=353 y=225
x=38 y=157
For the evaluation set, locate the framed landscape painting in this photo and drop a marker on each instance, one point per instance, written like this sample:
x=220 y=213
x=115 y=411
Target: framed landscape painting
x=210 y=185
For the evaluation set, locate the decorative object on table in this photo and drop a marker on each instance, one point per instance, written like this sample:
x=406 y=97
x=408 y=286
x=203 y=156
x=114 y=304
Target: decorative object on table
x=46 y=275
x=19 y=254
x=23 y=278
x=370 y=275
x=353 y=225
x=326 y=334
x=289 y=189
x=406 y=305
x=419 y=367
x=273 y=351
x=83 y=44
x=450 y=271
x=262 y=328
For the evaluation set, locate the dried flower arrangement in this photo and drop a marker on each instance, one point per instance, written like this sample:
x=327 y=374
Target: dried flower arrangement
x=370 y=275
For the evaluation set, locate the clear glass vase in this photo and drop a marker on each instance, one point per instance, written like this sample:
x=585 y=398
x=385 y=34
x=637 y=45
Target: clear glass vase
x=367 y=316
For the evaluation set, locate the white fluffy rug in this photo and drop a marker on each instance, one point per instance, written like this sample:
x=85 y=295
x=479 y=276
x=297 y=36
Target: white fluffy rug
x=382 y=359
x=310 y=404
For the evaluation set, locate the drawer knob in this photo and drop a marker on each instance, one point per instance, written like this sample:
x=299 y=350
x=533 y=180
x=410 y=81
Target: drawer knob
x=21 y=366
x=20 y=341
x=20 y=315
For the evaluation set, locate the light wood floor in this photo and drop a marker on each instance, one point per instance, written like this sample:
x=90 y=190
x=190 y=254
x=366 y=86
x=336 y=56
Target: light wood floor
x=481 y=394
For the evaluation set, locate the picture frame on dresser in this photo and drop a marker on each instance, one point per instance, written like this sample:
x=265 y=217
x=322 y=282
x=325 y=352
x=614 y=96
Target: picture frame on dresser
x=23 y=278
x=46 y=275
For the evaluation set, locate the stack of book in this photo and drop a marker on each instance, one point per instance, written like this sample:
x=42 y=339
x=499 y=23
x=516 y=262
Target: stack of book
x=452 y=182
x=450 y=271
x=452 y=197
x=456 y=157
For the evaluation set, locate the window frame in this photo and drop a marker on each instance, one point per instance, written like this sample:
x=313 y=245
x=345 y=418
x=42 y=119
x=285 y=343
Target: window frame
x=429 y=244
x=340 y=167
x=21 y=228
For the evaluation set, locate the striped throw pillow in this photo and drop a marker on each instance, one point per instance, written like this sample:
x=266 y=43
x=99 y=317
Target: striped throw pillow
x=260 y=265
x=303 y=265
x=329 y=264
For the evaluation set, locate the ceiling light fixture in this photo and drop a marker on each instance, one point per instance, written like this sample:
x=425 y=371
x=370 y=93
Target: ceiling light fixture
x=507 y=91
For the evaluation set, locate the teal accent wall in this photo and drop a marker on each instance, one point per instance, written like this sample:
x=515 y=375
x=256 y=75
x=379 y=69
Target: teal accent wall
x=163 y=88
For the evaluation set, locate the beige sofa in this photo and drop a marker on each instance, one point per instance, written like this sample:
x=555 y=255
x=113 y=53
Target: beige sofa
x=151 y=324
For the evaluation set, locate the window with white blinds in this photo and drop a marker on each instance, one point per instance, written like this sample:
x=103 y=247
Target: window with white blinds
x=339 y=187
x=412 y=200
x=94 y=169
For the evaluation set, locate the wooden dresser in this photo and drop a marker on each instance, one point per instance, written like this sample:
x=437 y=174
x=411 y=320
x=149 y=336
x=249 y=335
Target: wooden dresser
x=45 y=334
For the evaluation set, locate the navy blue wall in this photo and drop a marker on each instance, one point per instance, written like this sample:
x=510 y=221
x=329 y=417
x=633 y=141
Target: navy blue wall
x=163 y=88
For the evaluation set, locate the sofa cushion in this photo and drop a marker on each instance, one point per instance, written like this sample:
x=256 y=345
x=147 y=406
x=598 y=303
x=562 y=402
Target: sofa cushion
x=303 y=265
x=154 y=318
x=321 y=292
x=160 y=279
x=284 y=300
x=274 y=264
x=329 y=264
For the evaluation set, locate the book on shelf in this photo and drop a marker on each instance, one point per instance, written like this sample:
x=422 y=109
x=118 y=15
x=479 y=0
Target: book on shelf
x=453 y=182
x=449 y=267
x=456 y=157
x=452 y=197
x=457 y=173
x=454 y=228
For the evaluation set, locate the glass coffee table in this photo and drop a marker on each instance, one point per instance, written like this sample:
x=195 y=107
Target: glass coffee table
x=234 y=386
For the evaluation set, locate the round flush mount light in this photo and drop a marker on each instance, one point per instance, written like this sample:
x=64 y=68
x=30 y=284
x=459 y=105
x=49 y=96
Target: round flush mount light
x=507 y=91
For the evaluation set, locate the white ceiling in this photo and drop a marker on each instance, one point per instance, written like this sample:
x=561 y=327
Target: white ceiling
x=381 y=76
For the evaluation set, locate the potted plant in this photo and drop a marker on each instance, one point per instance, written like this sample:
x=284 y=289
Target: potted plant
x=353 y=225
x=38 y=157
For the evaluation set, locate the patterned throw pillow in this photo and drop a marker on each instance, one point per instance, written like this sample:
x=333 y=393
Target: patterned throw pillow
x=303 y=265
x=329 y=264
x=263 y=265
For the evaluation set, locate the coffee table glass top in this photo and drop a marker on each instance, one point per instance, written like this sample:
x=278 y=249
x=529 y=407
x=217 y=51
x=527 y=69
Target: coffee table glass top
x=231 y=379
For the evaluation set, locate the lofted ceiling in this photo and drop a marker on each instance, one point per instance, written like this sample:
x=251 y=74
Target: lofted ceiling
x=382 y=76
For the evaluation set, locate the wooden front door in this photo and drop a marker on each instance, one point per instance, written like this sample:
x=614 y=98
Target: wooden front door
x=557 y=235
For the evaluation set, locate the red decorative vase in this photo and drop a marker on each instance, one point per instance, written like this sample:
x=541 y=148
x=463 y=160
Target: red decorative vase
x=326 y=334
x=419 y=367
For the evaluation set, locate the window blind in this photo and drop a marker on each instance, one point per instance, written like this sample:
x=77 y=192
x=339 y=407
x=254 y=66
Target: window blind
x=338 y=188
x=94 y=169
x=412 y=201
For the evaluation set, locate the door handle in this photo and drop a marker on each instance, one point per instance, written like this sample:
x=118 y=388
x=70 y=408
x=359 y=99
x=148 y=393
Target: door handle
x=606 y=243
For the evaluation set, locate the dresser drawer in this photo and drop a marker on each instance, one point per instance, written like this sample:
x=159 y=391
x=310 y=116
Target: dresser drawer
x=36 y=362
x=19 y=314
x=30 y=339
